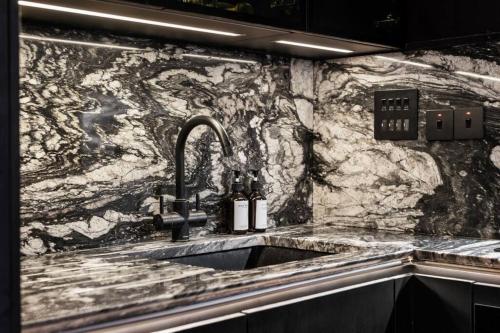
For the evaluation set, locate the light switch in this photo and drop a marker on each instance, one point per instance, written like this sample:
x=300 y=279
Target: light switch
x=406 y=125
x=439 y=125
x=398 y=125
x=396 y=114
x=398 y=104
x=469 y=123
x=406 y=104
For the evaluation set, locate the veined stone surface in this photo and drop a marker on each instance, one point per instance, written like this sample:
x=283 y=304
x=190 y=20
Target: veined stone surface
x=79 y=288
x=98 y=131
x=439 y=187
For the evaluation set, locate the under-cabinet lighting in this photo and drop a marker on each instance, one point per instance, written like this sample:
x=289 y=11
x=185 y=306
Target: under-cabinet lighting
x=69 y=41
x=405 y=62
x=313 y=46
x=123 y=18
x=479 y=76
x=200 y=56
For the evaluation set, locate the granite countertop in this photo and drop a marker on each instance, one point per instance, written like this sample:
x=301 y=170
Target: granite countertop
x=79 y=288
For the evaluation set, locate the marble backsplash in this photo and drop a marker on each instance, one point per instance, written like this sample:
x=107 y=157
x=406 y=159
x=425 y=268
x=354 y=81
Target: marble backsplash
x=98 y=130
x=430 y=187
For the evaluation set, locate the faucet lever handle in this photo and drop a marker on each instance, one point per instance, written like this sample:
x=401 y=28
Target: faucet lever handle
x=162 y=204
x=198 y=201
x=159 y=193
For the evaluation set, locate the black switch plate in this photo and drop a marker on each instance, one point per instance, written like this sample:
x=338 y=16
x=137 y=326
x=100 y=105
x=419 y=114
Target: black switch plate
x=396 y=114
x=439 y=125
x=469 y=123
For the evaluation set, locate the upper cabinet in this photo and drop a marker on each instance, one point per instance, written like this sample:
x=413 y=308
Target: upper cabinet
x=315 y=29
x=378 y=21
x=289 y=14
x=373 y=22
x=270 y=26
x=438 y=21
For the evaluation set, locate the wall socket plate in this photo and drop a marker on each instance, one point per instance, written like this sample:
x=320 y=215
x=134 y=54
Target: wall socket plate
x=439 y=125
x=396 y=114
x=469 y=123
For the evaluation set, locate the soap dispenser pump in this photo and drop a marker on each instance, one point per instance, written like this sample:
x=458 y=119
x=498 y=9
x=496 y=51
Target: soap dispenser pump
x=237 y=207
x=258 y=205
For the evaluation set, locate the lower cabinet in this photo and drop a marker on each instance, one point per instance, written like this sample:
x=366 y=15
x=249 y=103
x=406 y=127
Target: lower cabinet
x=405 y=304
x=228 y=324
x=441 y=305
x=486 y=308
x=432 y=304
x=364 y=309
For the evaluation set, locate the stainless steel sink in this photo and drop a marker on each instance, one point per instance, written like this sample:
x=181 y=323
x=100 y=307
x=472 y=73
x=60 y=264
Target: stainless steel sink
x=246 y=258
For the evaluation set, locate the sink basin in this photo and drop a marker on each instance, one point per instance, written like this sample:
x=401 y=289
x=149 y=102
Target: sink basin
x=246 y=258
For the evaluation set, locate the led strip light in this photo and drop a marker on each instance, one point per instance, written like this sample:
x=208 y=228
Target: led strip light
x=313 y=46
x=479 y=76
x=405 y=62
x=469 y=74
x=206 y=57
x=69 y=41
x=123 y=18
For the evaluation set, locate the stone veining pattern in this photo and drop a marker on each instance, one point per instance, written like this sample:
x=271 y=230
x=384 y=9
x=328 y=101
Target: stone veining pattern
x=77 y=288
x=98 y=130
x=440 y=187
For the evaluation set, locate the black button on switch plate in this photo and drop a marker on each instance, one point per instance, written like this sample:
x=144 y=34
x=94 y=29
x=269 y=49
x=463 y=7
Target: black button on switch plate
x=469 y=123
x=396 y=114
x=406 y=104
x=439 y=125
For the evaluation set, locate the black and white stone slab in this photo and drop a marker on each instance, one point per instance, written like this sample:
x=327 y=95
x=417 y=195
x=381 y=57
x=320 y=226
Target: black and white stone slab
x=77 y=288
x=436 y=188
x=98 y=131
x=98 y=127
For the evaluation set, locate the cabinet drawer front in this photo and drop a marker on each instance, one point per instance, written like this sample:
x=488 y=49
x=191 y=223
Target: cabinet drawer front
x=363 y=309
x=486 y=318
x=442 y=305
x=487 y=294
x=234 y=323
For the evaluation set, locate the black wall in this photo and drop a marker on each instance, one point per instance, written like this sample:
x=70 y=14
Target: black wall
x=9 y=168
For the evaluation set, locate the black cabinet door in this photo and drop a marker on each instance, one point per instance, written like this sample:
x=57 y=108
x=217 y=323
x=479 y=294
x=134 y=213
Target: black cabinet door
x=278 y=13
x=370 y=21
x=365 y=309
x=230 y=324
x=486 y=308
x=403 y=304
x=434 y=20
x=441 y=305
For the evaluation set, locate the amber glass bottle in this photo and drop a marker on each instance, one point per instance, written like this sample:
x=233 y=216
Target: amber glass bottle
x=258 y=206
x=237 y=217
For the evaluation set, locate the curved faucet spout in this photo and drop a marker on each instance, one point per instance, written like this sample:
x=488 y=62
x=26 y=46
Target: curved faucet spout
x=180 y=186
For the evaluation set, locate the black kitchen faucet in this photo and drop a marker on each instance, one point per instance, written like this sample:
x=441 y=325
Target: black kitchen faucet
x=180 y=218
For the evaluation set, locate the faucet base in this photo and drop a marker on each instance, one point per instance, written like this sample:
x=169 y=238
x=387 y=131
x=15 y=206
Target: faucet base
x=180 y=240
x=181 y=233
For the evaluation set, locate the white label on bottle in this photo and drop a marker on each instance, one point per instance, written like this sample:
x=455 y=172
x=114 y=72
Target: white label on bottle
x=261 y=214
x=240 y=217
